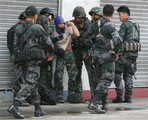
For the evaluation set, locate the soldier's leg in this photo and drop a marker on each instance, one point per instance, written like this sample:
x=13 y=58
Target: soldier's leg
x=49 y=75
x=108 y=75
x=91 y=74
x=31 y=74
x=79 y=63
x=101 y=91
x=43 y=72
x=128 y=78
x=119 y=68
x=73 y=96
x=59 y=79
x=35 y=100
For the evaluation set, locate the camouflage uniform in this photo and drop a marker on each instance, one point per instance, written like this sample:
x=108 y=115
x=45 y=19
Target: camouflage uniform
x=30 y=43
x=126 y=64
x=104 y=63
x=90 y=37
x=46 y=66
x=79 y=48
x=30 y=70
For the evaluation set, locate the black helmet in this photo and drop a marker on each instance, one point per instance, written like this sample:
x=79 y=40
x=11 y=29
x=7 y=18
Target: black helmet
x=31 y=11
x=47 y=10
x=22 y=16
x=79 y=12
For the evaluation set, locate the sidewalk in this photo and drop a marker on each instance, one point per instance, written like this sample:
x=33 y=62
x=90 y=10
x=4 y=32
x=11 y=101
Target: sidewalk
x=137 y=110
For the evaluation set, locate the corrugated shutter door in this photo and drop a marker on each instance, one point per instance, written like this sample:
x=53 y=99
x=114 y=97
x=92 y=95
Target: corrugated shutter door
x=9 y=12
x=139 y=13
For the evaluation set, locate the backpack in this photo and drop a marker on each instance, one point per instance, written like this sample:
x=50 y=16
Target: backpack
x=10 y=38
x=137 y=28
x=48 y=96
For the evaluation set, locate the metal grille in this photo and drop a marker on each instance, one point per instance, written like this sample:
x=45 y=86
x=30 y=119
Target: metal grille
x=140 y=14
x=9 y=12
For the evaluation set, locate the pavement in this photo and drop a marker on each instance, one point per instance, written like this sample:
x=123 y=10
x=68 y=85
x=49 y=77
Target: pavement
x=137 y=110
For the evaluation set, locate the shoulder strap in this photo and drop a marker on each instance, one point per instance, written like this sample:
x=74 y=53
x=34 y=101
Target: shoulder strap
x=104 y=24
x=134 y=24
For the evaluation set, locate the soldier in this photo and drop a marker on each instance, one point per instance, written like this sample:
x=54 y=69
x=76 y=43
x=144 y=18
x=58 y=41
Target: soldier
x=126 y=64
x=29 y=44
x=47 y=67
x=65 y=58
x=79 y=48
x=45 y=18
x=15 y=83
x=89 y=36
x=104 y=57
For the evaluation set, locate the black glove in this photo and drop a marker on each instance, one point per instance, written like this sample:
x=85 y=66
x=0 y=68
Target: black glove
x=56 y=39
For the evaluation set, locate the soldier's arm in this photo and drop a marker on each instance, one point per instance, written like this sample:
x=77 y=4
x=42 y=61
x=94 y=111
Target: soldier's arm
x=46 y=40
x=117 y=40
x=122 y=31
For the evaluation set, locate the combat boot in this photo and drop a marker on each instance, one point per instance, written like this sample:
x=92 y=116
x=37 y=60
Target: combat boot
x=15 y=111
x=118 y=100
x=94 y=106
x=60 y=99
x=38 y=111
x=105 y=105
x=127 y=99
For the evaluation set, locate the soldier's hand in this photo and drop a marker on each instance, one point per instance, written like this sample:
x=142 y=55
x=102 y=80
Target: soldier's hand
x=85 y=55
x=114 y=54
x=117 y=56
x=49 y=56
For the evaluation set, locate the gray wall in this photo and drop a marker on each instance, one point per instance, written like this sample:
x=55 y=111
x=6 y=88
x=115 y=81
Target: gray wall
x=9 y=12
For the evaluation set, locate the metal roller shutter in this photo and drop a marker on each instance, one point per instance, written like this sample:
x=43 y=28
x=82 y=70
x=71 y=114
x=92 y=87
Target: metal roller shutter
x=9 y=12
x=140 y=14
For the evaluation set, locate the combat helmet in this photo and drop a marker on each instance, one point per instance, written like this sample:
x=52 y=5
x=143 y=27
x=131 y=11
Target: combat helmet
x=31 y=11
x=79 y=12
x=47 y=10
x=96 y=10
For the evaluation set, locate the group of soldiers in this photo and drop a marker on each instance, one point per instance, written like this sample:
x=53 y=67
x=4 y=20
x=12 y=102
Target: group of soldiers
x=106 y=53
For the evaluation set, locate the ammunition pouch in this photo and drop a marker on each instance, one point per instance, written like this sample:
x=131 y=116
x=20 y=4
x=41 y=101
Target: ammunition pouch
x=104 y=57
x=131 y=46
x=28 y=54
